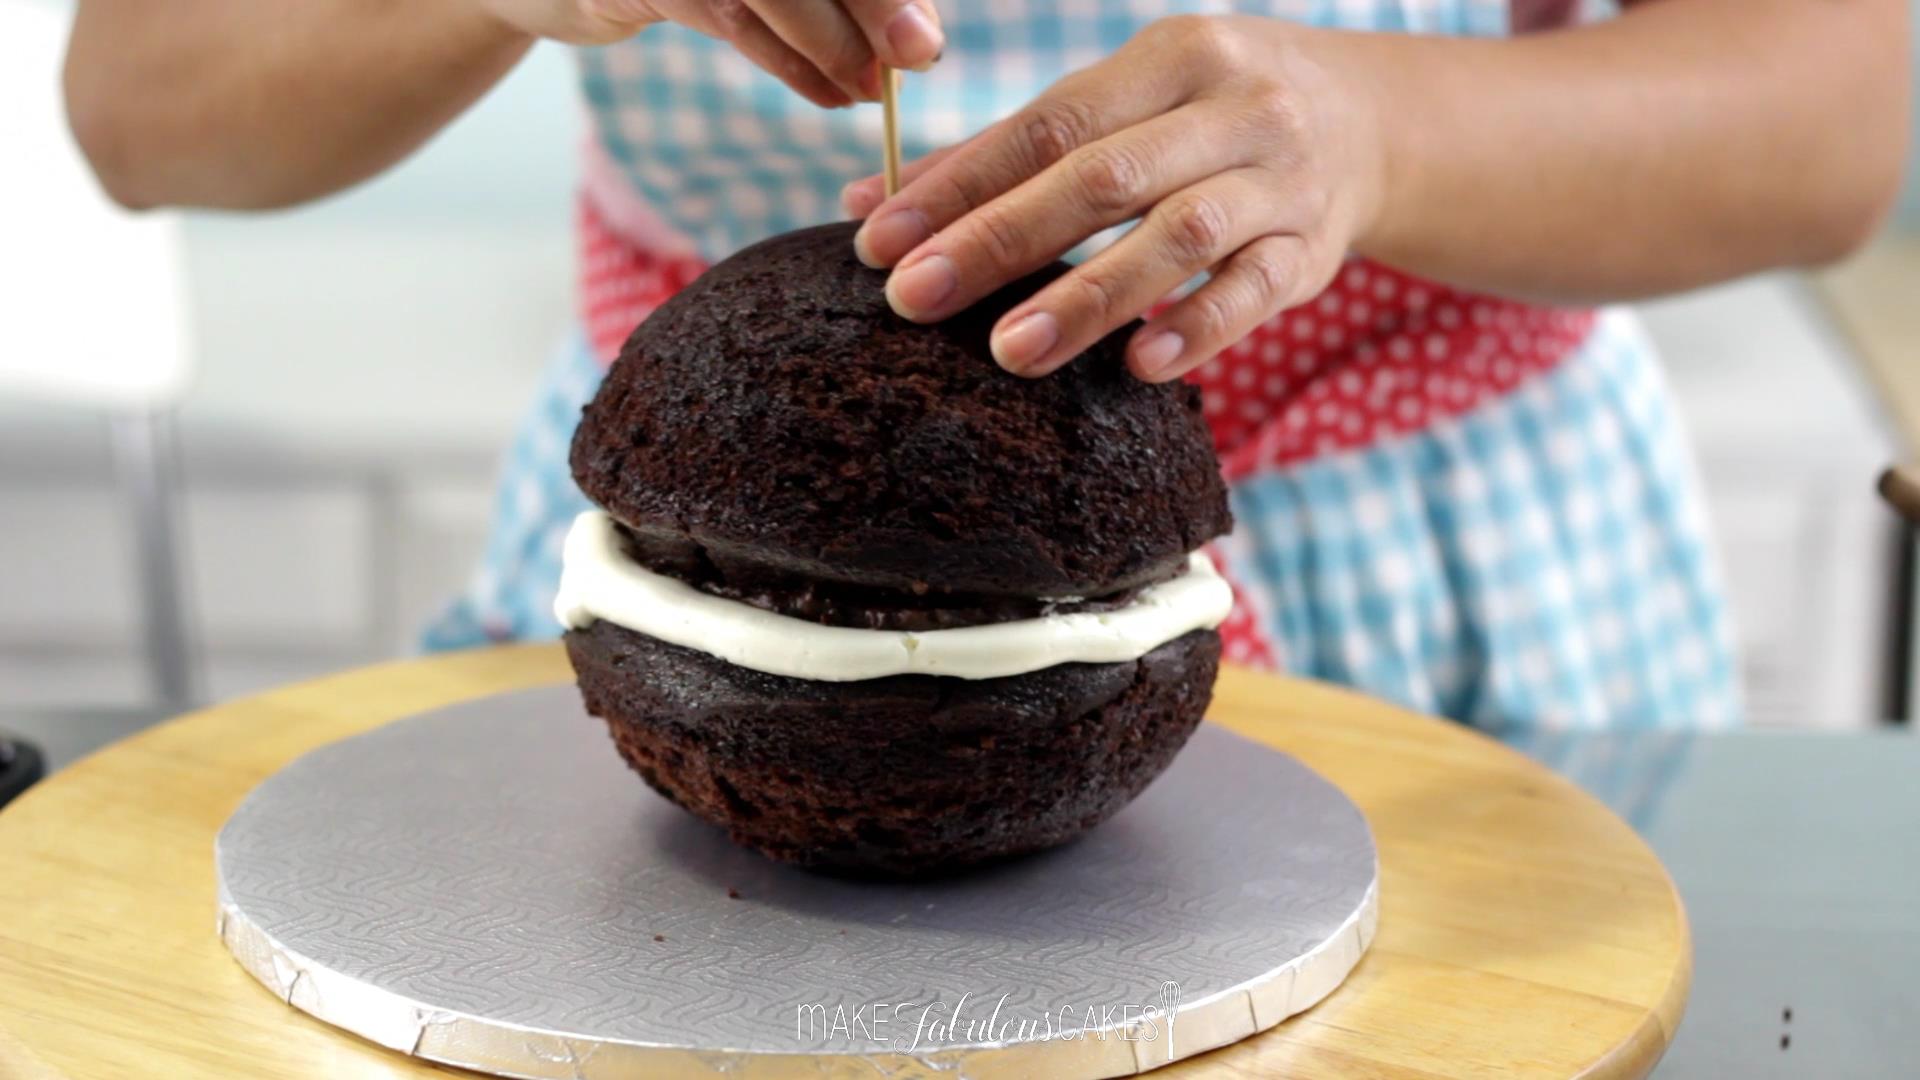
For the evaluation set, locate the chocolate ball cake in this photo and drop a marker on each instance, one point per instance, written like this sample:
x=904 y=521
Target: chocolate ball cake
x=866 y=600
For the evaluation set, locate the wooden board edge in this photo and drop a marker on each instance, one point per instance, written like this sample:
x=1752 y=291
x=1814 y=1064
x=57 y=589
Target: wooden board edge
x=1635 y=1058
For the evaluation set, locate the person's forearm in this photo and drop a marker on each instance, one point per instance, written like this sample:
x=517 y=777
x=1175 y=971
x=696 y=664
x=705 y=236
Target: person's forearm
x=1686 y=142
x=240 y=104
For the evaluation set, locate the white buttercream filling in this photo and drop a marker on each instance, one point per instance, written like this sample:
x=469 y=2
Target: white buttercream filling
x=599 y=580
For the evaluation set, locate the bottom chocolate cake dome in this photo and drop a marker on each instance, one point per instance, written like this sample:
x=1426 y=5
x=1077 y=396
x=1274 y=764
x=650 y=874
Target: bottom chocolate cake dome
x=870 y=603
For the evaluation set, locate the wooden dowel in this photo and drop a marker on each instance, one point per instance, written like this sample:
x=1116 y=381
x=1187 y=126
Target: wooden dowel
x=890 y=109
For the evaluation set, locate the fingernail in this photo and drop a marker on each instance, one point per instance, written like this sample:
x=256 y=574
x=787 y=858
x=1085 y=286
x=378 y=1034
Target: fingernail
x=1157 y=353
x=859 y=198
x=1027 y=341
x=887 y=239
x=918 y=290
x=915 y=41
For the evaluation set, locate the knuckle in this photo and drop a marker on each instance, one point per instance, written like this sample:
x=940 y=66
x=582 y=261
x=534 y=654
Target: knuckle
x=794 y=70
x=1002 y=241
x=960 y=189
x=1053 y=130
x=850 y=59
x=1096 y=295
x=1178 y=29
x=1276 y=109
x=730 y=16
x=1161 y=33
x=599 y=22
x=1110 y=179
x=1213 y=315
x=1314 y=203
x=1196 y=228
x=1200 y=38
x=1268 y=275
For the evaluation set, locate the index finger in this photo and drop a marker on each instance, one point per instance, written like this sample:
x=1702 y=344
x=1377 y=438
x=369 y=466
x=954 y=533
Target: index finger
x=822 y=31
x=1079 y=109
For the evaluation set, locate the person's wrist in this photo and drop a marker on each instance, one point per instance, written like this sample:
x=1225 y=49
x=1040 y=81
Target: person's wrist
x=1366 y=122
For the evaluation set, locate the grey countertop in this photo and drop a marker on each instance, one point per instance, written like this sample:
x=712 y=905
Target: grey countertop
x=1798 y=857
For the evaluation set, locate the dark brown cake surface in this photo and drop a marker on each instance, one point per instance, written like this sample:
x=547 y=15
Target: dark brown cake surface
x=898 y=776
x=776 y=421
x=861 y=607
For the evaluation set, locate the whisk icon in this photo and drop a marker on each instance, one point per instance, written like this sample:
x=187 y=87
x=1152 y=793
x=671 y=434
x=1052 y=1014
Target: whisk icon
x=1170 y=1005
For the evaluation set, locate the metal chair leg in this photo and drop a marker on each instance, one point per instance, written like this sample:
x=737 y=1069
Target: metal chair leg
x=1900 y=486
x=146 y=460
x=1903 y=603
x=20 y=766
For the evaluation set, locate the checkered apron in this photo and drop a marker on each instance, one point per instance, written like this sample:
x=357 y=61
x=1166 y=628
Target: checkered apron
x=1472 y=506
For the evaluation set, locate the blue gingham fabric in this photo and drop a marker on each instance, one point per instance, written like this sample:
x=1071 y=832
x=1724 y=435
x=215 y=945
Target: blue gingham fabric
x=1542 y=560
x=1539 y=563
x=729 y=156
x=510 y=597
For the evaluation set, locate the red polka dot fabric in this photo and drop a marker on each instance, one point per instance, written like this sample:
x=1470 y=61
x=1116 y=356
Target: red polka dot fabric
x=622 y=283
x=1378 y=354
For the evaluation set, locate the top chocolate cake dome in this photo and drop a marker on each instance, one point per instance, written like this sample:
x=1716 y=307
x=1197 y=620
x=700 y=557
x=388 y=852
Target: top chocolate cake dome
x=777 y=423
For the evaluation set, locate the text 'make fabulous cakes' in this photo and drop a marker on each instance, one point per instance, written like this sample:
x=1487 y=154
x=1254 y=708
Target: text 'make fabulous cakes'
x=866 y=600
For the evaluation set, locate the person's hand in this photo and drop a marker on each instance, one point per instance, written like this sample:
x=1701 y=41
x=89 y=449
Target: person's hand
x=1239 y=146
x=824 y=49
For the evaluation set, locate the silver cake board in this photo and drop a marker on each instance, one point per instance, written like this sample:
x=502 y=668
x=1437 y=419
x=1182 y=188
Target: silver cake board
x=489 y=886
